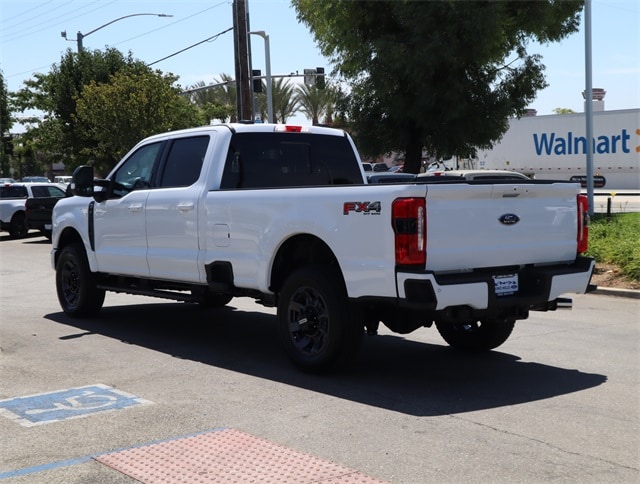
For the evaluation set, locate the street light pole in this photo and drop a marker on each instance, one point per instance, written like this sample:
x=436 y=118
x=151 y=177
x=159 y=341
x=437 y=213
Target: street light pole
x=80 y=35
x=588 y=105
x=267 y=60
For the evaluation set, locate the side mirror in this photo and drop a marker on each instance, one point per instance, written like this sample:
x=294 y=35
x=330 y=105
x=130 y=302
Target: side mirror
x=82 y=181
x=102 y=194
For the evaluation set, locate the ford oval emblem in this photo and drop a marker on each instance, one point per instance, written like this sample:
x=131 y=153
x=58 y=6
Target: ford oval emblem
x=509 y=219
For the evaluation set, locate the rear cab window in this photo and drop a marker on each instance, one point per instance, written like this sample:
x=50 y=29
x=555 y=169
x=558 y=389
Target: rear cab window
x=276 y=160
x=13 y=191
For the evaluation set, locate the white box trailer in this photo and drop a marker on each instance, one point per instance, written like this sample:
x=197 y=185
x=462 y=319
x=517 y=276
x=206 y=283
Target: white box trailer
x=554 y=146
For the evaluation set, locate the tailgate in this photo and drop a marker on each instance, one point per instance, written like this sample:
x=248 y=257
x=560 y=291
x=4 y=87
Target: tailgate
x=40 y=209
x=471 y=226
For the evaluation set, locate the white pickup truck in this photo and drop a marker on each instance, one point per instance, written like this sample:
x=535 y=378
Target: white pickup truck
x=13 y=200
x=283 y=214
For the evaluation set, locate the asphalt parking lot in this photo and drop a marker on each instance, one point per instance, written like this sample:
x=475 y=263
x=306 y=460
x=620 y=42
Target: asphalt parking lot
x=558 y=402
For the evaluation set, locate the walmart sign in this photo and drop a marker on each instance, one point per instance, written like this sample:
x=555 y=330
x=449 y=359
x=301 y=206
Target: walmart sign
x=569 y=144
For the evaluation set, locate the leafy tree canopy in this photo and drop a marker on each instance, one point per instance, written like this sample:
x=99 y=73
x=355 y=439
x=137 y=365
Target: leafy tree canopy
x=441 y=76
x=5 y=127
x=130 y=107
x=563 y=111
x=142 y=101
x=5 y=115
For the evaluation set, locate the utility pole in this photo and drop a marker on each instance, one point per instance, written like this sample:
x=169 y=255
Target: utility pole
x=241 y=47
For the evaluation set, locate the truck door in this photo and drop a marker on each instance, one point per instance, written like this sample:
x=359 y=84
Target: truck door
x=119 y=221
x=172 y=211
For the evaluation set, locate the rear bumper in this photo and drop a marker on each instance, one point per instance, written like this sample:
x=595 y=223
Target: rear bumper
x=538 y=287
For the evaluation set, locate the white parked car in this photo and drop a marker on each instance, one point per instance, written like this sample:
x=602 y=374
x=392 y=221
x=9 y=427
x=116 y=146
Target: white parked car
x=477 y=174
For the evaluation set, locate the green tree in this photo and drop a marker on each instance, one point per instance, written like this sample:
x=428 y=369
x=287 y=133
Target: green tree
x=314 y=102
x=443 y=76
x=216 y=100
x=284 y=100
x=226 y=96
x=563 y=111
x=5 y=128
x=54 y=95
x=133 y=105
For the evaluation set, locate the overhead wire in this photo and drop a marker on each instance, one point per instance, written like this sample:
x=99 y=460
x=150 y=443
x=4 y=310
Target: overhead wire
x=8 y=19
x=104 y=4
x=52 y=21
x=165 y=26
x=213 y=37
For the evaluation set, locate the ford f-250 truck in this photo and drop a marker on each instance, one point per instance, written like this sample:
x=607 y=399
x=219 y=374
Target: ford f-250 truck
x=283 y=214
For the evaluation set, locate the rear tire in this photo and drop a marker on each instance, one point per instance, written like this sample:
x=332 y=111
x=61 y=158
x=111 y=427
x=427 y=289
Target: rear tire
x=476 y=335
x=316 y=328
x=18 y=228
x=76 y=284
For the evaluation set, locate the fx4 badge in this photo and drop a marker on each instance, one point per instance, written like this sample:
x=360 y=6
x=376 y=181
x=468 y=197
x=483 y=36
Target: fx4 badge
x=365 y=208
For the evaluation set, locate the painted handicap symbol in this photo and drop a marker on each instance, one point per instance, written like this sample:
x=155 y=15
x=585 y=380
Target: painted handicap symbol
x=67 y=404
x=74 y=403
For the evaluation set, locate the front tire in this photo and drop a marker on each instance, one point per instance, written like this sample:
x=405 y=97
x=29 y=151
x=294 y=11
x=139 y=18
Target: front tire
x=76 y=284
x=475 y=335
x=315 y=326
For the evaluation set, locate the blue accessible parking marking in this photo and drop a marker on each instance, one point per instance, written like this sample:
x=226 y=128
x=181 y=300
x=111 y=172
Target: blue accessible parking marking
x=66 y=404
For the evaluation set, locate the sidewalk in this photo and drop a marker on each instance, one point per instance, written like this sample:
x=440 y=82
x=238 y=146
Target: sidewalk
x=612 y=291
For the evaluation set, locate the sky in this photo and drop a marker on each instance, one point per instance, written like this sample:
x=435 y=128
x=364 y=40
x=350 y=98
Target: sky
x=191 y=44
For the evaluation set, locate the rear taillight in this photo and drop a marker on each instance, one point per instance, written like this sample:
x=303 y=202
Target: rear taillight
x=583 y=223
x=408 y=218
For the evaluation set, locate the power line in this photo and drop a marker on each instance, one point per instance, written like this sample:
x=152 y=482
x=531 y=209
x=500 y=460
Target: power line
x=30 y=30
x=213 y=37
x=27 y=11
x=172 y=23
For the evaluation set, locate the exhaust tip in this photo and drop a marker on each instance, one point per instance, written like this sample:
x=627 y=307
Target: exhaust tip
x=564 y=303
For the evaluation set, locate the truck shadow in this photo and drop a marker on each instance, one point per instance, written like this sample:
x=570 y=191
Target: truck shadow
x=393 y=373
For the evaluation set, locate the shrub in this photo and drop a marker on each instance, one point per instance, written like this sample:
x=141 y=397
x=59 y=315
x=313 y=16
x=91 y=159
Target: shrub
x=616 y=240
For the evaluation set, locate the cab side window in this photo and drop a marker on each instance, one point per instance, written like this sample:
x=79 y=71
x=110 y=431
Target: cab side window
x=137 y=171
x=39 y=192
x=184 y=161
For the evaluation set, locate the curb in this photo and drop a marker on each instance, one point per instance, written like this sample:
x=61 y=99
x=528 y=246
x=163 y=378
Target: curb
x=609 y=291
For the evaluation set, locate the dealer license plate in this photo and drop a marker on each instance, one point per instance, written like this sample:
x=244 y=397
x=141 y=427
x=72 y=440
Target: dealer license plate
x=506 y=284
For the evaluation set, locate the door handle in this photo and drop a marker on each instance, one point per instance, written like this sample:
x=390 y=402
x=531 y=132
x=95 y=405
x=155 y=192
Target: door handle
x=185 y=206
x=135 y=207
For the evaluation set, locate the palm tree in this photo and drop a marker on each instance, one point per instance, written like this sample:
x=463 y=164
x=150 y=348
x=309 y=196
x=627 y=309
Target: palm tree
x=219 y=101
x=285 y=103
x=313 y=102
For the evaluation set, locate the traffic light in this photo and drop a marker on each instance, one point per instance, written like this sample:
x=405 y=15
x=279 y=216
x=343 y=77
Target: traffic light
x=257 y=82
x=320 y=77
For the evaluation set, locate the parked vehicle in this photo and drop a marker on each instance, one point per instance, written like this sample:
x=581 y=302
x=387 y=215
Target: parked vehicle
x=390 y=177
x=35 y=179
x=13 y=199
x=380 y=167
x=284 y=215
x=39 y=208
x=476 y=174
x=63 y=180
